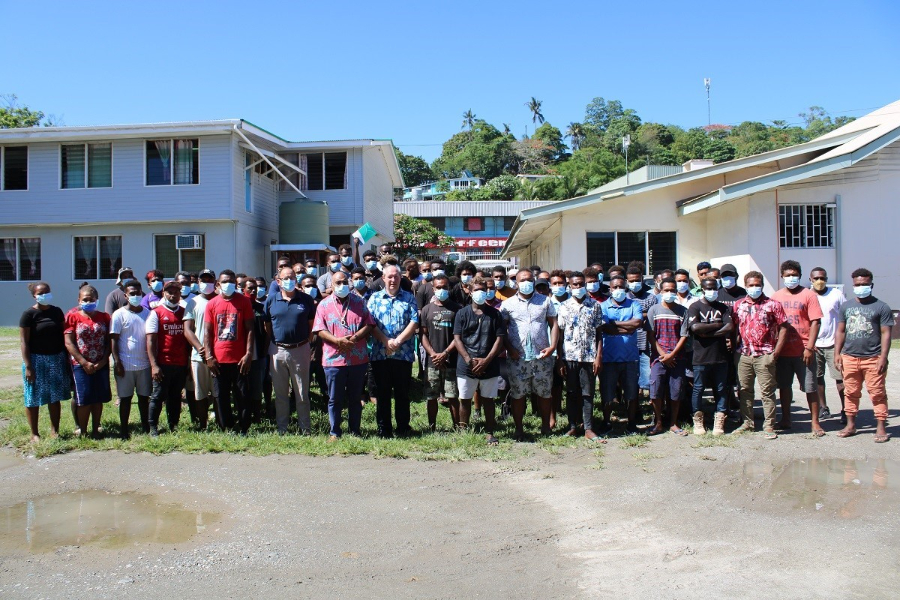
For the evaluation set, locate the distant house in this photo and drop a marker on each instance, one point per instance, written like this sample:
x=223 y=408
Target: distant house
x=80 y=202
x=436 y=190
x=831 y=202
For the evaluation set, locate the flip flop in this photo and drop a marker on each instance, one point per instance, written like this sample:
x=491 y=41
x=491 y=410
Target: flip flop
x=679 y=431
x=655 y=431
x=880 y=439
x=843 y=433
x=770 y=435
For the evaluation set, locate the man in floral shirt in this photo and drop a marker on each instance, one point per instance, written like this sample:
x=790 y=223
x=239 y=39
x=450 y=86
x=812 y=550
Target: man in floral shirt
x=580 y=353
x=396 y=317
x=761 y=324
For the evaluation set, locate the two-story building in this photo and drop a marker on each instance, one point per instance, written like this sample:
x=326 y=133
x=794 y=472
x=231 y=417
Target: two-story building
x=80 y=202
x=436 y=190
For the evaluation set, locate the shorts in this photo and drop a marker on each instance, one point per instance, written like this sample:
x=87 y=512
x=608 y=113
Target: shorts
x=580 y=380
x=788 y=366
x=663 y=379
x=469 y=385
x=91 y=389
x=825 y=356
x=530 y=377
x=644 y=375
x=441 y=379
x=203 y=380
x=619 y=373
x=135 y=381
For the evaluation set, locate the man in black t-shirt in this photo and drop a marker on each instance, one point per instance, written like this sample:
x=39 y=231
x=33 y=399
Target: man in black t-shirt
x=479 y=331
x=436 y=325
x=708 y=323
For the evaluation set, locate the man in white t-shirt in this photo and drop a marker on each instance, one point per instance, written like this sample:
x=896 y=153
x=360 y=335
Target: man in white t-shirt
x=830 y=300
x=129 y=351
x=194 y=332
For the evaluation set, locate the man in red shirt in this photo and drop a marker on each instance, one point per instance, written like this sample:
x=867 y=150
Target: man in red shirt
x=168 y=351
x=230 y=341
x=804 y=316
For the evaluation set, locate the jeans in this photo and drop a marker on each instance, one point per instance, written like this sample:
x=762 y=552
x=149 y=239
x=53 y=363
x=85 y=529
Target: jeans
x=580 y=393
x=168 y=391
x=255 y=384
x=714 y=376
x=750 y=370
x=229 y=382
x=392 y=377
x=644 y=377
x=345 y=386
x=290 y=367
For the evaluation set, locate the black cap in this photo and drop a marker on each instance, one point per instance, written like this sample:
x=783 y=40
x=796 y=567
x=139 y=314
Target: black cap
x=542 y=282
x=208 y=272
x=728 y=268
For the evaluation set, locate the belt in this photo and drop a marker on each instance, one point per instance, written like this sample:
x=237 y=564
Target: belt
x=290 y=346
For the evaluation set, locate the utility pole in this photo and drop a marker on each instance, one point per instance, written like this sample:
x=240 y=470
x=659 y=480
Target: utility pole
x=626 y=141
x=706 y=81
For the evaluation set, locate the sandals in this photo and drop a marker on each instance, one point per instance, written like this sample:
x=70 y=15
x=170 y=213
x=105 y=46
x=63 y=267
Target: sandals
x=492 y=441
x=679 y=431
x=880 y=439
x=845 y=433
x=655 y=431
x=770 y=435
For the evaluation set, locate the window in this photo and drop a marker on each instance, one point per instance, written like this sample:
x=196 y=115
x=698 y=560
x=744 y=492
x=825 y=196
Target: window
x=14 y=168
x=438 y=222
x=97 y=257
x=326 y=171
x=806 y=225
x=474 y=224
x=656 y=249
x=85 y=164
x=170 y=260
x=20 y=259
x=508 y=223
x=461 y=184
x=165 y=169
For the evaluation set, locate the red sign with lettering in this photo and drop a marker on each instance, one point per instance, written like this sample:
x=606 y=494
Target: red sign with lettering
x=462 y=243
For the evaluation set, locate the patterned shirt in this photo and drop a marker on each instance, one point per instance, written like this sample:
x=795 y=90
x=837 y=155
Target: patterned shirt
x=392 y=315
x=665 y=323
x=91 y=333
x=758 y=324
x=342 y=320
x=646 y=299
x=526 y=323
x=578 y=323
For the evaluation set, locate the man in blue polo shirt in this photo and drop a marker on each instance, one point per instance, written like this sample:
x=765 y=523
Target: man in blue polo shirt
x=289 y=318
x=620 y=350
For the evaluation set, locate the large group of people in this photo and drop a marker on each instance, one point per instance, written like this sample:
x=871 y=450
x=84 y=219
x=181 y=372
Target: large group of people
x=487 y=343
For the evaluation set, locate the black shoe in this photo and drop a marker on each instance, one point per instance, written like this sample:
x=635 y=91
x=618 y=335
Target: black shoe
x=154 y=432
x=126 y=433
x=824 y=413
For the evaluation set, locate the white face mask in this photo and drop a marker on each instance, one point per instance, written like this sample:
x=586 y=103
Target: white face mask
x=791 y=282
x=682 y=286
x=207 y=288
x=729 y=282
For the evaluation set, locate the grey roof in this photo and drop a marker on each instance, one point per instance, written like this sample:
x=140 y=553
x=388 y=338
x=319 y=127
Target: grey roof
x=466 y=208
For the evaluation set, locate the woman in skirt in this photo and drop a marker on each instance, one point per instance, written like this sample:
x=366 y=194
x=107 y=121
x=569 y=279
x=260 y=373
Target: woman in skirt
x=47 y=378
x=87 y=340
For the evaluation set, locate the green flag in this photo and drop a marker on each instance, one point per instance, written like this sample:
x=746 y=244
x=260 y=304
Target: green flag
x=365 y=233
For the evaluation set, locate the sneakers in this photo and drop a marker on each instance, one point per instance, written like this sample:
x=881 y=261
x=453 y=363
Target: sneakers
x=699 y=429
x=154 y=432
x=719 y=425
x=824 y=413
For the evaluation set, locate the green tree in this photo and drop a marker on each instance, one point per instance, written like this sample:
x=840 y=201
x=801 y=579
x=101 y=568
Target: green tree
x=534 y=105
x=414 y=169
x=599 y=113
x=483 y=150
x=503 y=187
x=12 y=115
x=413 y=236
x=468 y=119
x=576 y=134
x=552 y=138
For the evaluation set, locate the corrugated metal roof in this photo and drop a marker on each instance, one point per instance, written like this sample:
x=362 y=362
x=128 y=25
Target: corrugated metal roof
x=466 y=208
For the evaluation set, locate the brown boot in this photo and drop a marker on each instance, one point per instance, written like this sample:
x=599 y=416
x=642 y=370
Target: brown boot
x=699 y=429
x=719 y=425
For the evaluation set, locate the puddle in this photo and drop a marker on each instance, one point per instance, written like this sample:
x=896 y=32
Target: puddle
x=96 y=518
x=844 y=488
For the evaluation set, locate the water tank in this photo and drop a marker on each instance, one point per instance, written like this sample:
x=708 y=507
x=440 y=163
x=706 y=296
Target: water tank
x=303 y=222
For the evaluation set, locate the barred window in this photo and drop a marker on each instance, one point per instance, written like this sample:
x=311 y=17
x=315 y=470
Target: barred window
x=806 y=225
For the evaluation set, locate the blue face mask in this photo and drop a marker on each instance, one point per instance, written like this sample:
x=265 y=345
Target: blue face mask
x=479 y=297
x=618 y=294
x=346 y=260
x=195 y=288
x=491 y=294
x=559 y=291
x=44 y=299
x=185 y=290
x=711 y=295
x=669 y=297
x=754 y=292
x=134 y=300
x=729 y=282
x=635 y=286
x=89 y=307
x=156 y=286
x=312 y=291
x=371 y=265
x=526 y=288
x=442 y=294
x=359 y=284
x=500 y=284
x=791 y=282
x=862 y=291
x=437 y=272
x=227 y=288
x=288 y=285
x=335 y=267
x=466 y=278
x=427 y=275
x=312 y=271
x=579 y=293
x=342 y=290
x=593 y=287
x=682 y=286
x=261 y=293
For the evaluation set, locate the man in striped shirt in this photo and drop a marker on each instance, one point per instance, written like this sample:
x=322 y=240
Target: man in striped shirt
x=129 y=350
x=668 y=358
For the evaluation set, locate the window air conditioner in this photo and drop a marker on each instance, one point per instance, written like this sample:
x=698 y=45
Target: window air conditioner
x=189 y=242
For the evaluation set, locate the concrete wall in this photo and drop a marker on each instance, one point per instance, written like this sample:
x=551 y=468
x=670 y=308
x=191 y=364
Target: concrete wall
x=377 y=193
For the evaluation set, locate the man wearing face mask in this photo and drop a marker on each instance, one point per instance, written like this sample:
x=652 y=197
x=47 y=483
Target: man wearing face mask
x=465 y=270
x=730 y=292
x=604 y=288
x=761 y=324
x=347 y=263
x=425 y=276
x=358 y=283
x=230 y=343
x=668 y=361
x=155 y=280
x=129 y=350
x=194 y=333
x=529 y=317
x=501 y=283
x=708 y=323
x=641 y=294
x=440 y=352
x=289 y=318
x=324 y=281
x=621 y=358
x=804 y=315
x=703 y=269
x=683 y=294
x=117 y=298
x=317 y=372
x=830 y=301
x=593 y=284
x=373 y=273
x=861 y=349
x=426 y=290
x=312 y=267
x=168 y=352
x=275 y=287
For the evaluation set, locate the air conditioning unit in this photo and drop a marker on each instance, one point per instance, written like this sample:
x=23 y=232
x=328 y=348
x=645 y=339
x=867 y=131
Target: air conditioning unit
x=188 y=242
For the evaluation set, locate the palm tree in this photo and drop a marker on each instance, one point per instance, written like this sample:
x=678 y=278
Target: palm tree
x=534 y=105
x=575 y=133
x=468 y=119
x=506 y=129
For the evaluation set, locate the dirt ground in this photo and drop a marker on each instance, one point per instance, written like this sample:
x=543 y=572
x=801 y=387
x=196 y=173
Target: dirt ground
x=791 y=518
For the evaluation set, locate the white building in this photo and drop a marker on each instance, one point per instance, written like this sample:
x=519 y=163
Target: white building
x=832 y=202
x=80 y=202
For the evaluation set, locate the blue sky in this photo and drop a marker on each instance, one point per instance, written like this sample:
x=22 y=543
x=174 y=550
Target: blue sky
x=407 y=71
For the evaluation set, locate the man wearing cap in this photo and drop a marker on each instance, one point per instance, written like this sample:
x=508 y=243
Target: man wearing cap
x=117 y=298
x=731 y=292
